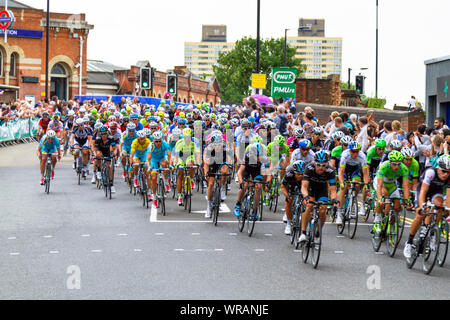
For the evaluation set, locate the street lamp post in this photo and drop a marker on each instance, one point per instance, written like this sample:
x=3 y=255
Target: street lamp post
x=285 y=41
x=47 y=48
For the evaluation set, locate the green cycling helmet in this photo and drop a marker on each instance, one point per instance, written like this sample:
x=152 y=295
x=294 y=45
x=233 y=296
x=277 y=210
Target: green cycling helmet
x=380 y=143
x=395 y=156
x=94 y=111
x=256 y=139
x=213 y=116
x=279 y=140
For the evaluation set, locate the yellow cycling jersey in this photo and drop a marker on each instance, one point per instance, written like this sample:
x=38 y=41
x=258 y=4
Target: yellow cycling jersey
x=140 y=147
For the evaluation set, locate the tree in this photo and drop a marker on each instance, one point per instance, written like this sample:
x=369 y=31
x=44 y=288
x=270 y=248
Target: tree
x=235 y=68
x=344 y=86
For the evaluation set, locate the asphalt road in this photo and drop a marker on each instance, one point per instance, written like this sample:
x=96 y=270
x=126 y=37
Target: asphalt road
x=76 y=244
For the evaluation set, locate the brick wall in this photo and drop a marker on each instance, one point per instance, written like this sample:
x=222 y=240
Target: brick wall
x=409 y=120
x=319 y=91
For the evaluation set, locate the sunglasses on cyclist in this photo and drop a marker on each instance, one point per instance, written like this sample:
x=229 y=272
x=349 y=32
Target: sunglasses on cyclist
x=380 y=149
x=321 y=165
x=104 y=133
x=305 y=149
x=445 y=171
x=354 y=151
x=396 y=164
x=157 y=141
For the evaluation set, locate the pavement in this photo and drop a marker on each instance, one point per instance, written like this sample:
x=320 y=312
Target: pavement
x=76 y=244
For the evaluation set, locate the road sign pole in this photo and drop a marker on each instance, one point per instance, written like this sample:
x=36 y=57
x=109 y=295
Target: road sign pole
x=6 y=30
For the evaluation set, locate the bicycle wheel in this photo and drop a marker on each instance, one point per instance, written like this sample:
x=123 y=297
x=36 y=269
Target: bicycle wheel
x=161 y=197
x=431 y=249
x=144 y=191
x=244 y=214
x=295 y=225
x=443 y=249
x=352 y=216
x=261 y=204
x=401 y=223
x=367 y=207
x=377 y=237
x=188 y=195
x=48 y=177
x=252 y=220
x=392 y=233
x=305 y=246
x=316 y=243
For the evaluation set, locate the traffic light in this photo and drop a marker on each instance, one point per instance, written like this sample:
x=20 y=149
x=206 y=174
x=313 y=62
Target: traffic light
x=145 y=78
x=172 y=84
x=360 y=84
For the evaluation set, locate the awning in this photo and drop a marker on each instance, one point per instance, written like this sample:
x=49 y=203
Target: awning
x=4 y=86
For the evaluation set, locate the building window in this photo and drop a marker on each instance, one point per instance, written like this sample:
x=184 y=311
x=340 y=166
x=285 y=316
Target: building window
x=13 y=65
x=1 y=63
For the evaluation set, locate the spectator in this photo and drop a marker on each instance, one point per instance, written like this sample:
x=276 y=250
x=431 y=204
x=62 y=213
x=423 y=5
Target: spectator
x=439 y=123
x=281 y=121
x=362 y=138
x=400 y=133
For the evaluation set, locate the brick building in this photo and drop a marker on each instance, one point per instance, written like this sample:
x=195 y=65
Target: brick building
x=22 y=58
x=320 y=91
x=190 y=89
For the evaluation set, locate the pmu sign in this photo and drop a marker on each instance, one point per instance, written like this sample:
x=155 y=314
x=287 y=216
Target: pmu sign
x=7 y=19
x=283 y=82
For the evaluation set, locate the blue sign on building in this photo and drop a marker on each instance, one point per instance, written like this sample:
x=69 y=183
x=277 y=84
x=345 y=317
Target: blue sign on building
x=20 y=33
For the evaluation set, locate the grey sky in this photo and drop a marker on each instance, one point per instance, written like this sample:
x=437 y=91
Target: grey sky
x=410 y=32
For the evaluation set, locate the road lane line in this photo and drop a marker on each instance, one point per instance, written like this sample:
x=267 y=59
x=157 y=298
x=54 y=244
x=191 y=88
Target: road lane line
x=12 y=238
x=195 y=234
x=47 y=237
x=54 y=252
x=218 y=250
x=159 y=234
x=178 y=250
x=137 y=250
x=85 y=235
x=259 y=250
x=14 y=253
x=96 y=251
x=339 y=252
x=153 y=215
x=122 y=234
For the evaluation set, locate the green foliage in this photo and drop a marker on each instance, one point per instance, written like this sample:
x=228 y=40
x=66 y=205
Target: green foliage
x=235 y=68
x=344 y=86
x=376 y=103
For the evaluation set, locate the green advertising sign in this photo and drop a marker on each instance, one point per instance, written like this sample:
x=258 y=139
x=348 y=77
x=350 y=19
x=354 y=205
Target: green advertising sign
x=283 y=82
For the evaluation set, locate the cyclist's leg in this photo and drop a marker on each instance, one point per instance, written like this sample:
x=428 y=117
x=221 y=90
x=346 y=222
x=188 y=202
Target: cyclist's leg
x=43 y=161
x=306 y=216
x=288 y=203
x=323 y=210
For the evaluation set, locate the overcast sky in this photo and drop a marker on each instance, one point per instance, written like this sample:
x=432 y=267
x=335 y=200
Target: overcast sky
x=411 y=31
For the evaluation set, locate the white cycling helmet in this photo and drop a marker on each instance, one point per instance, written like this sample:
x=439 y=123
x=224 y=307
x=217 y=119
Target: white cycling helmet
x=79 y=121
x=339 y=135
x=71 y=113
x=407 y=153
x=157 y=135
x=176 y=132
x=396 y=144
x=51 y=134
x=131 y=126
x=141 y=134
x=346 y=140
x=98 y=125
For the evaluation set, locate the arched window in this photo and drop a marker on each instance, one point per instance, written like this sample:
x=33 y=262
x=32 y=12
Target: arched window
x=159 y=95
x=13 y=64
x=58 y=70
x=184 y=100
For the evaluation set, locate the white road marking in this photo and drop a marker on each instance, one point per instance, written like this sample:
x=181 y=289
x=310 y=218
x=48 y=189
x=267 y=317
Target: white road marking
x=54 y=252
x=12 y=238
x=195 y=234
x=339 y=252
x=218 y=250
x=199 y=250
x=297 y=251
x=85 y=235
x=268 y=234
x=340 y=237
x=379 y=252
x=232 y=234
x=14 y=253
x=96 y=251
x=47 y=237
x=178 y=250
x=122 y=234
x=159 y=234
x=154 y=215
x=137 y=250
x=259 y=250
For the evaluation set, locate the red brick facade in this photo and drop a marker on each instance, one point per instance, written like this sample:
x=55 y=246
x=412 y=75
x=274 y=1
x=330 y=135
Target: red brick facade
x=64 y=50
x=320 y=91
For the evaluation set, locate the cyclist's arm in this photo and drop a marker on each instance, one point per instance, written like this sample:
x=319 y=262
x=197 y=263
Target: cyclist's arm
x=341 y=175
x=169 y=157
x=305 y=186
x=39 y=150
x=423 y=193
x=406 y=188
x=366 y=177
x=333 y=192
x=379 y=188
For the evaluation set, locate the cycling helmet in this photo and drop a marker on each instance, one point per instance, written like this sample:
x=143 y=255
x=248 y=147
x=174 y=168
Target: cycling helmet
x=444 y=162
x=251 y=119
x=182 y=115
x=216 y=138
x=86 y=119
x=187 y=132
x=103 y=129
x=141 y=134
x=176 y=132
x=395 y=156
x=207 y=117
x=380 y=143
x=111 y=119
x=346 y=140
x=131 y=127
x=299 y=133
x=272 y=125
x=305 y=143
x=51 y=134
x=189 y=116
x=98 y=125
x=182 y=121
x=196 y=112
x=213 y=116
x=354 y=146
x=153 y=124
x=82 y=110
x=45 y=114
x=134 y=116
x=299 y=166
x=338 y=135
x=317 y=130
x=126 y=119
x=157 y=135
x=147 y=132
x=321 y=157
x=80 y=121
x=407 y=153
x=234 y=122
x=56 y=118
x=94 y=111
x=279 y=140
x=245 y=124
x=396 y=144
x=113 y=125
x=71 y=113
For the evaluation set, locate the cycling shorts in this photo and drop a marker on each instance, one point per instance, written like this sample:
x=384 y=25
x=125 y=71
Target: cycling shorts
x=49 y=150
x=393 y=191
x=352 y=173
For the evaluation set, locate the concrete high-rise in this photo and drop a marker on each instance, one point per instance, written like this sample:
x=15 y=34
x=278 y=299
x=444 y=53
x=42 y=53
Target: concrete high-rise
x=321 y=55
x=199 y=57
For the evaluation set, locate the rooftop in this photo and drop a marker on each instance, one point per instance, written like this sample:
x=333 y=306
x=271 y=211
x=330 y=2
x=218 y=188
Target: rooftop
x=437 y=60
x=15 y=4
x=101 y=66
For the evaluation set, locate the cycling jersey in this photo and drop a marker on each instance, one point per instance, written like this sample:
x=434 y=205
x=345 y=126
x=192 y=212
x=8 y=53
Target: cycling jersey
x=318 y=183
x=297 y=156
x=316 y=146
x=275 y=153
x=289 y=180
x=127 y=140
x=437 y=187
x=104 y=146
x=348 y=161
x=48 y=147
x=44 y=124
x=137 y=147
x=390 y=176
x=159 y=154
x=56 y=126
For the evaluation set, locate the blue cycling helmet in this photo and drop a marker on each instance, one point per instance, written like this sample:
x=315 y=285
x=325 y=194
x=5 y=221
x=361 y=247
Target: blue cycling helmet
x=299 y=166
x=134 y=116
x=321 y=157
x=251 y=119
x=354 y=146
x=305 y=143
x=182 y=121
x=103 y=129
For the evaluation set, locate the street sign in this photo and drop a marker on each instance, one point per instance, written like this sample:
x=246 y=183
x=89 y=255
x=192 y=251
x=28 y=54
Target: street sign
x=283 y=82
x=7 y=19
x=258 y=81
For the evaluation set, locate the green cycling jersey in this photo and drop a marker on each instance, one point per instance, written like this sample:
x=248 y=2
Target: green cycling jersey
x=390 y=176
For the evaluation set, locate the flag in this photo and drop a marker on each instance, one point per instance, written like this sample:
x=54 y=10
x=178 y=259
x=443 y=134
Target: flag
x=1 y=92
